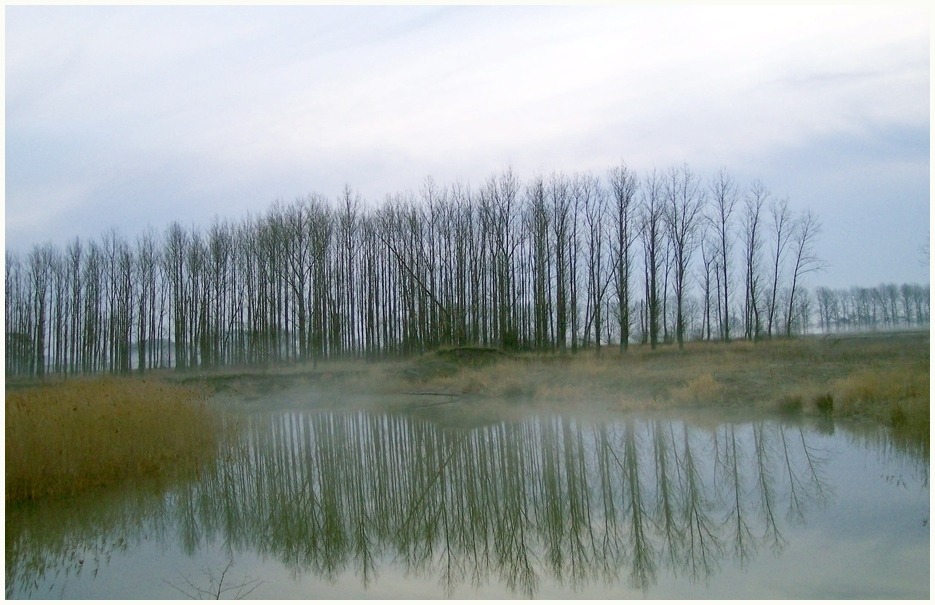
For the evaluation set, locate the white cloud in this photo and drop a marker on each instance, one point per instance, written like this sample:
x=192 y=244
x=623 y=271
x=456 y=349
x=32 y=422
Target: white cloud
x=247 y=88
x=378 y=97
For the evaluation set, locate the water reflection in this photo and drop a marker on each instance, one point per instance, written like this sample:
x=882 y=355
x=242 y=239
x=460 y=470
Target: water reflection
x=577 y=502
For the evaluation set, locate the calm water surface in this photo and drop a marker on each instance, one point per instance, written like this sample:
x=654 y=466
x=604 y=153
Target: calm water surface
x=365 y=504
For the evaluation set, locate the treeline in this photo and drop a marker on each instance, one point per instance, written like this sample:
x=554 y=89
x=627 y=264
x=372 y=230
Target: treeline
x=556 y=263
x=887 y=306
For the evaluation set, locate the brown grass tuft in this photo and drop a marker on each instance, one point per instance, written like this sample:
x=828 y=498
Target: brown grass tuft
x=64 y=438
x=702 y=388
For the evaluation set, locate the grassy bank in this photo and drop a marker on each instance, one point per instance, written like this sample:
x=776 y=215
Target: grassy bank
x=880 y=377
x=67 y=437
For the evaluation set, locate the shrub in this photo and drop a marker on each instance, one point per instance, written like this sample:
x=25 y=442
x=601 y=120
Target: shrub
x=791 y=404
x=825 y=403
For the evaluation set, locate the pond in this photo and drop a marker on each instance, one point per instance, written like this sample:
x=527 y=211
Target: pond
x=377 y=504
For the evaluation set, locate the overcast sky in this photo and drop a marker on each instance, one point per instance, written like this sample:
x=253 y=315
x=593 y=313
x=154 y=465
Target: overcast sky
x=133 y=117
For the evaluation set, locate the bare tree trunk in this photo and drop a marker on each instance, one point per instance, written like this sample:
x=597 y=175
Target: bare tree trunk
x=755 y=202
x=805 y=232
x=781 y=227
x=624 y=185
x=682 y=215
x=651 y=208
x=724 y=199
x=560 y=199
x=40 y=270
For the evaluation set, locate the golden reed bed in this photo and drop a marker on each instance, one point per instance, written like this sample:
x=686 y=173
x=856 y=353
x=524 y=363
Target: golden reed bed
x=70 y=436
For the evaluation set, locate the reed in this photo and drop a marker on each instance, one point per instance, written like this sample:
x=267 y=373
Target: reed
x=898 y=397
x=71 y=436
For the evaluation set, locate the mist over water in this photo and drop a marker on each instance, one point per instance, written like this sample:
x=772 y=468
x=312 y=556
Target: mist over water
x=373 y=504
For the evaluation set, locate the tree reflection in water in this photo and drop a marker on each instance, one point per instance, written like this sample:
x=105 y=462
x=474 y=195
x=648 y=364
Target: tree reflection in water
x=554 y=497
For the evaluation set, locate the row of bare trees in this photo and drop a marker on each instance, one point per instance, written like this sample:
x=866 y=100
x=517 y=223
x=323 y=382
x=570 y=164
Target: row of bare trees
x=559 y=262
x=886 y=306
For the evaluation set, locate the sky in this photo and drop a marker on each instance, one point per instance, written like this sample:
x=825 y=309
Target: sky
x=133 y=117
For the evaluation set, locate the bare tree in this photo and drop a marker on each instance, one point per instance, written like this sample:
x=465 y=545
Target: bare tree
x=827 y=308
x=321 y=226
x=805 y=232
x=682 y=216
x=92 y=343
x=40 y=272
x=724 y=199
x=538 y=224
x=652 y=230
x=574 y=252
x=73 y=258
x=624 y=186
x=594 y=207
x=754 y=203
x=174 y=258
x=560 y=207
x=465 y=257
x=782 y=227
x=17 y=316
x=298 y=264
x=146 y=269
x=709 y=267
x=196 y=287
x=499 y=203
x=60 y=313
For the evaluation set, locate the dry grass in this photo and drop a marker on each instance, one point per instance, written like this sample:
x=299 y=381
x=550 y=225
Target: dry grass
x=702 y=388
x=790 y=376
x=791 y=404
x=64 y=438
x=896 y=396
x=756 y=375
